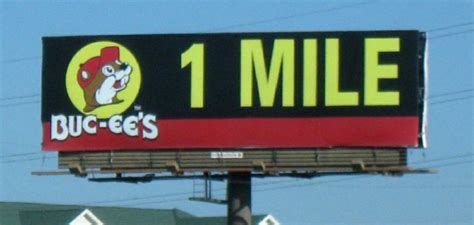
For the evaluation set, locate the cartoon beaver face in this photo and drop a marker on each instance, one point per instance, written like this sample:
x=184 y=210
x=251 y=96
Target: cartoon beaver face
x=102 y=77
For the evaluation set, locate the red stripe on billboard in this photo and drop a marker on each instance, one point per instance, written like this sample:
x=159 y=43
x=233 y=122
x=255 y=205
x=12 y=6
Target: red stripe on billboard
x=251 y=133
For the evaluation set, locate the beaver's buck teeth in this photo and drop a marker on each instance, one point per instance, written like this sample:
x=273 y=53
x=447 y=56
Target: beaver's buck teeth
x=124 y=80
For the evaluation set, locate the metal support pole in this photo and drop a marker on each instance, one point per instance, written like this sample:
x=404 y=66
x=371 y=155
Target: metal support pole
x=239 y=205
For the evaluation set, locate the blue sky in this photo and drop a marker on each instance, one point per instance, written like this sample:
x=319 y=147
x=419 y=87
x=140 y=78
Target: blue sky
x=442 y=198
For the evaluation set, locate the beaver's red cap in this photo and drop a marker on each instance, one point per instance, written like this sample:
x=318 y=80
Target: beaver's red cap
x=92 y=66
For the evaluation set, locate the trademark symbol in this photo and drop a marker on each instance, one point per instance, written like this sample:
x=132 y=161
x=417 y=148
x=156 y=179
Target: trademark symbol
x=137 y=107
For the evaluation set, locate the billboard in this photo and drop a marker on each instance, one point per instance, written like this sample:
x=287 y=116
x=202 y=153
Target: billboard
x=234 y=91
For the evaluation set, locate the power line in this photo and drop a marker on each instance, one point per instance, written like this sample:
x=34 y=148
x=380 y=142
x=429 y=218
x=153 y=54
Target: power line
x=452 y=100
x=301 y=185
x=20 y=59
x=312 y=183
x=19 y=144
x=444 y=158
x=271 y=183
x=451 y=34
x=138 y=198
x=450 y=26
x=454 y=163
x=401 y=186
x=294 y=15
x=450 y=93
x=19 y=97
x=291 y=16
x=20 y=154
x=175 y=194
x=26 y=160
x=263 y=184
x=184 y=199
x=431 y=97
x=261 y=190
x=156 y=202
x=353 y=178
x=19 y=103
x=447 y=101
x=318 y=11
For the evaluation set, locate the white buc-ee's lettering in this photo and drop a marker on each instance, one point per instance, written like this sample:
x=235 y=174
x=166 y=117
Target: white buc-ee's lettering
x=144 y=125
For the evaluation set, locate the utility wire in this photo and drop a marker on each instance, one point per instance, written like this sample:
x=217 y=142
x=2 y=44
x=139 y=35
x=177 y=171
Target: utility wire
x=298 y=15
x=177 y=194
x=454 y=164
x=451 y=26
x=294 y=16
x=313 y=183
x=20 y=59
x=352 y=178
x=291 y=16
x=318 y=11
x=139 y=198
x=452 y=100
x=184 y=199
x=25 y=160
x=443 y=158
x=296 y=185
x=19 y=97
x=155 y=202
x=432 y=103
x=430 y=97
x=19 y=103
x=451 y=34
x=19 y=144
x=278 y=18
x=276 y=182
x=20 y=154
x=299 y=185
x=401 y=186
x=450 y=93
x=263 y=184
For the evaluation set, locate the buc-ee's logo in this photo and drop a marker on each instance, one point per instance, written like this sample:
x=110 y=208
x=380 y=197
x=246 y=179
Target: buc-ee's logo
x=102 y=81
